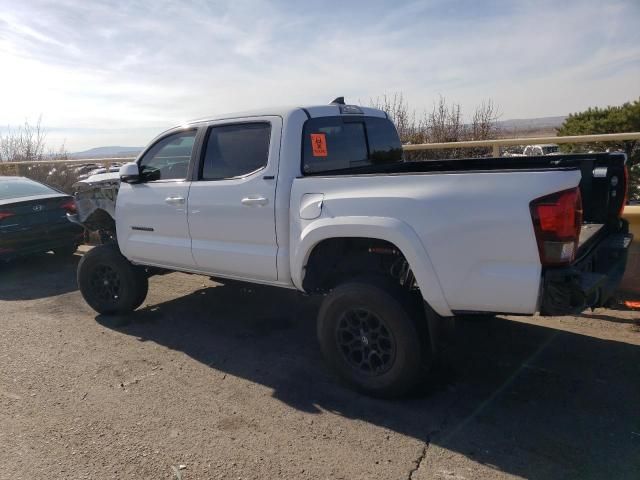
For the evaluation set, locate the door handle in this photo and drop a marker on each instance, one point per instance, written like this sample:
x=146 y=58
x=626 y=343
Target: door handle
x=254 y=201
x=174 y=200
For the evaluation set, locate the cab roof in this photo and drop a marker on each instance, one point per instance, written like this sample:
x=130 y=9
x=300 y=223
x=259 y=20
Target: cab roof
x=312 y=111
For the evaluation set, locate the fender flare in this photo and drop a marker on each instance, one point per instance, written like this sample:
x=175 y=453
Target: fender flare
x=391 y=230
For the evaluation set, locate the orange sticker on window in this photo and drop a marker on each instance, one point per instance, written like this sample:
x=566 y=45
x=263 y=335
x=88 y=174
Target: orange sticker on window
x=319 y=144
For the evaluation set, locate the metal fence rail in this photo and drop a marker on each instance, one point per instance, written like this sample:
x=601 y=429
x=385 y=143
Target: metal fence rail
x=505 y=142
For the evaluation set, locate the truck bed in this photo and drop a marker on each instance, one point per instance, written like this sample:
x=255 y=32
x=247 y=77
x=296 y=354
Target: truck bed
x=472 y=218
x=601 y=186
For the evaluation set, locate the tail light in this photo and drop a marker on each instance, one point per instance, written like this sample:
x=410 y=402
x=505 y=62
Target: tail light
x=557 y=219
x=70 y=206
x=5 y=214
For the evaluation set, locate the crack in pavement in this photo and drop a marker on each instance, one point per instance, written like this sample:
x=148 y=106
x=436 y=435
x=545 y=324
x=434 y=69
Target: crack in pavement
x=418 y=461
x=458 y=428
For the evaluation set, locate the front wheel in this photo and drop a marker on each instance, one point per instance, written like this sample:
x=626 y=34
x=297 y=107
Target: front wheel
x=109 y=283
x=373 y=336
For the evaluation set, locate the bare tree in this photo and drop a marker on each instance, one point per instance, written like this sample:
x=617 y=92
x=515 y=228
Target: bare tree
x=61 y=154
x=404 y=119
x=484 y=124
x=444 y=123
x=26 y=143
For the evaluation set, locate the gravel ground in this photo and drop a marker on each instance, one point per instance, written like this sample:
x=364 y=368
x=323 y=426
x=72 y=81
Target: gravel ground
x=213 y=381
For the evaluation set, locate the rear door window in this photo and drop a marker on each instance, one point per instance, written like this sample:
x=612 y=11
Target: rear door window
x=332 y=144
x=233 y=151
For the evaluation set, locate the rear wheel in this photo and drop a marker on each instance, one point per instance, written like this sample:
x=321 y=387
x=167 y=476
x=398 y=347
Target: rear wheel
x=109 y=283
x=373 y=336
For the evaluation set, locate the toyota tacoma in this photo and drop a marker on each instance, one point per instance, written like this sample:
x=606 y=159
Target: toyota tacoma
x=321 y=199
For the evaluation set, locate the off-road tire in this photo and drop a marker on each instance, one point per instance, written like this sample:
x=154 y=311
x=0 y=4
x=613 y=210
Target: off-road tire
x=109 y=283
x=407 y=345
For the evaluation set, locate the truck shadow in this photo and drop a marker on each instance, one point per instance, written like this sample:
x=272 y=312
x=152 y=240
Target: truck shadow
x=52 y=274
x=527 y=400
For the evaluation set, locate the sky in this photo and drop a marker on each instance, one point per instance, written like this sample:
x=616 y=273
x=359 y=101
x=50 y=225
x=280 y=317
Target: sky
x=119 y=72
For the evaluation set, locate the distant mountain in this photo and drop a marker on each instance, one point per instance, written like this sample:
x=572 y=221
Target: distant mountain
x=533 y=123
x=108 y=152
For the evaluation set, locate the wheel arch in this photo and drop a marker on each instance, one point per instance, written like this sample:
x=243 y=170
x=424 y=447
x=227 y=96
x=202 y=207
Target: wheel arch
x=395 y=232
x=102 y=223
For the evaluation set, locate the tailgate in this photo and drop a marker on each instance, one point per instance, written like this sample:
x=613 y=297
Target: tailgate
x=603 y=190
x=592 y=279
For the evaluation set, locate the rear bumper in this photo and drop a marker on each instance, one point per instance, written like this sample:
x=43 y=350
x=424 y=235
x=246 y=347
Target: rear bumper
x=27 y=242
x=591 y=281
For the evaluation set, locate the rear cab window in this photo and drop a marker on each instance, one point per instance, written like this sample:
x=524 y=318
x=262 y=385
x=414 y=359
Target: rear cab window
x=340 y=144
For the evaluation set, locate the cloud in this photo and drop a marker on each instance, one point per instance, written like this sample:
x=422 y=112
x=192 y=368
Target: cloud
x=147 y=64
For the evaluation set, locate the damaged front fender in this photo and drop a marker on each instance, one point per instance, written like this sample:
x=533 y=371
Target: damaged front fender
x=96 y=201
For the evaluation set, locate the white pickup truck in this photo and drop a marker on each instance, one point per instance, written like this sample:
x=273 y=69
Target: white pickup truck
x=322 y=200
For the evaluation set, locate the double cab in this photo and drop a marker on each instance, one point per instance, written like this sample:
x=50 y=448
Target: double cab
x=321 y=199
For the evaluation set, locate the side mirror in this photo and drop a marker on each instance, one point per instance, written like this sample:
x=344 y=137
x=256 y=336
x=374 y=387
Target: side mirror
x=130 y=173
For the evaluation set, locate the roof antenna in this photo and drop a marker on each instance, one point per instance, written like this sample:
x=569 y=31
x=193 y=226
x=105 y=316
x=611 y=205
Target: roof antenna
x=338 y=101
